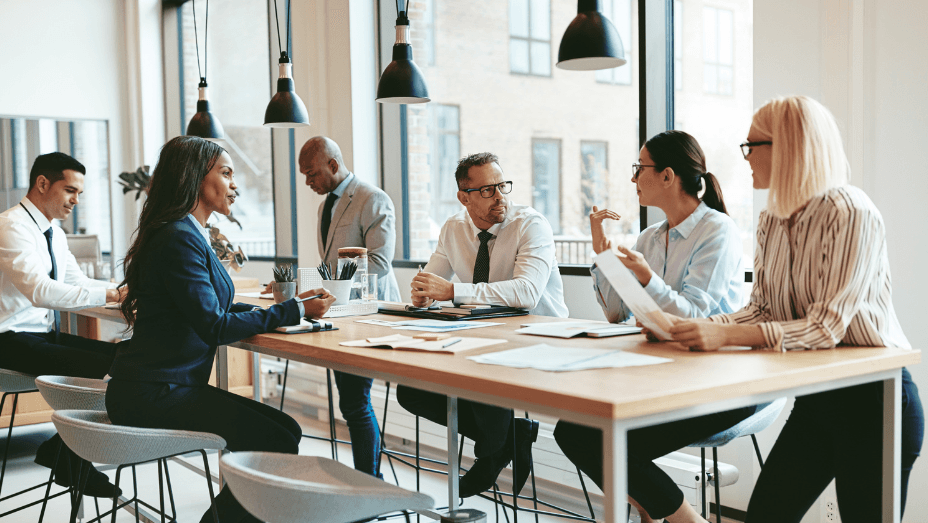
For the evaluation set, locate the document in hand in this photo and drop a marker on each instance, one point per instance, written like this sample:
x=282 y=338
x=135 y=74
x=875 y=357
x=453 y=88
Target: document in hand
x=629 y=289
x=559 y=359
x=443 y=346
x=571 y=329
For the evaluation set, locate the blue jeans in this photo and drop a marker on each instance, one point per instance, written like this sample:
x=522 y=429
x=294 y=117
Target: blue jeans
x=354 y=401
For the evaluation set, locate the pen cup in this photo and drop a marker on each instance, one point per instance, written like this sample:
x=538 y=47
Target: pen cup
x=369 y=287
x=283 y=291
x=341 y=289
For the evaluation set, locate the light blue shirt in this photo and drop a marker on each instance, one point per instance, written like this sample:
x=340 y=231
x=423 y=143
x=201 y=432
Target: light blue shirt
x=700 y=274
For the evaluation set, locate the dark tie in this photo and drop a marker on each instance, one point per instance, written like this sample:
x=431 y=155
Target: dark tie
x=53 y=275
x=482 y=265
x=327 y=216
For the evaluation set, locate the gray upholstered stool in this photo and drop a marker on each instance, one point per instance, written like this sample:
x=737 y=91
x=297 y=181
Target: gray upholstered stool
x=765 y=415
x=92 y=437
x=67 y=393
x=13 y=384
x=284 y=488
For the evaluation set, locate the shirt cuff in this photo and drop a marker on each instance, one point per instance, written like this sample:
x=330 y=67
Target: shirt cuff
x=97 y=296
x=302 y=309
x=656 y=286
x=464 y=292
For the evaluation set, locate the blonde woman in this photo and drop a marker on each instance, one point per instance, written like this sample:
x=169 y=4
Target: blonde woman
x=822 y=280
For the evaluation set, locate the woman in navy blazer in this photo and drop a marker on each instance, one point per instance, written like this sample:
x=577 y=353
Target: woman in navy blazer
x=179 y=303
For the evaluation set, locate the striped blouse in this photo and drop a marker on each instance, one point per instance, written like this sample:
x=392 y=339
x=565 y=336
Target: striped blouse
x=823 y=280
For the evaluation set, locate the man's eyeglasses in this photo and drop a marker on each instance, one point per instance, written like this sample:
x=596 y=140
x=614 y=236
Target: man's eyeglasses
x=636 y=169
x=746 y=147
x=488 y=191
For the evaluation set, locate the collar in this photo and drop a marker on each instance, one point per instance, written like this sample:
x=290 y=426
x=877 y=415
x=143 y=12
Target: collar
x=203 y=230
x=36 y=214
x=494 y=230
x=342 y=186
x=685 y=228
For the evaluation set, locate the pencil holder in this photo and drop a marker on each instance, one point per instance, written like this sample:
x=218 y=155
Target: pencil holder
x=341 y=289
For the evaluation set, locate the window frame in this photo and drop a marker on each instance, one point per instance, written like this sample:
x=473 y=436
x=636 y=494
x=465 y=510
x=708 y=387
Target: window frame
x=529 y=40
x=628 y=49
x=717 y=63
x=560 y=177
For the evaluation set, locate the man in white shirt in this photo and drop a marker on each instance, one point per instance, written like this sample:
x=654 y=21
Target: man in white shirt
x=504 y=255
x=40 y=277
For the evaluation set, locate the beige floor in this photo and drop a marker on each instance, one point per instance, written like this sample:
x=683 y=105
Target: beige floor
x=190 y=491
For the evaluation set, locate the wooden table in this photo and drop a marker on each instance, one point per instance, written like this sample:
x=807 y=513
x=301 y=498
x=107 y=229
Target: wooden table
x=614 y=400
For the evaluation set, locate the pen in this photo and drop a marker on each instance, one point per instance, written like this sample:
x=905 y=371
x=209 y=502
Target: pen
x=301 y=300
x=450 y=343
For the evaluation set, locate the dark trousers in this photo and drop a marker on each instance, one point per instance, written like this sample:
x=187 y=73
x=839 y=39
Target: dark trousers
x=354 y=401
x=245 y=424
x=40 y=353
x=650 y=486
x=836 y=435
x=486 y=425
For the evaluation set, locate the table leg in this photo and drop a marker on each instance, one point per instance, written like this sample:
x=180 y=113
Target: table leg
x=892 y=443
x=256 y=376
x=454 y=467
x=222 y=367
x=615 y=472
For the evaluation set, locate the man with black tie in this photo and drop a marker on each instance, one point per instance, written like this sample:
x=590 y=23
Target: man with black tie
x=504 y=255
x=355 y=214
x=39 y=277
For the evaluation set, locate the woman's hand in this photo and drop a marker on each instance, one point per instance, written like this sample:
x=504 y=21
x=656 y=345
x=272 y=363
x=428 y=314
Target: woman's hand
x=316 y=307
x=674 y=320
x=702 y=336
x=600 y=243
x=636 y=263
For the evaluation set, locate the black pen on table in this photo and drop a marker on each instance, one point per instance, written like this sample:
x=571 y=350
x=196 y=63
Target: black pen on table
x=301 y=300
x=450 y=343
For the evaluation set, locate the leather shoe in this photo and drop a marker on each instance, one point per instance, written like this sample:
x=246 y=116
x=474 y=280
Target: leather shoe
x=66 y=471
x=483 y=474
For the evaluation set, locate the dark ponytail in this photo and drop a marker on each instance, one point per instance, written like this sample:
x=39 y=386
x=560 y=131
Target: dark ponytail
x=682 y=153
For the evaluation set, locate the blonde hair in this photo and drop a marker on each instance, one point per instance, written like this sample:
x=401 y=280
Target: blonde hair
x=807 y=156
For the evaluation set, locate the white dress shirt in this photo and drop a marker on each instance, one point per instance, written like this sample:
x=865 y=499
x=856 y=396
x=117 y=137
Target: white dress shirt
x=27 y=290
x=523 y=268
x=698 y=274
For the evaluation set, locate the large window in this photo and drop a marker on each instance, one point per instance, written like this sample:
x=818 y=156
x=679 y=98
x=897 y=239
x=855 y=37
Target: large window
x=546 y=178
x=238 y=28
x=529 y=36
x=593 y=174
x=619 y=12
x=445 y=134
x=718 y=76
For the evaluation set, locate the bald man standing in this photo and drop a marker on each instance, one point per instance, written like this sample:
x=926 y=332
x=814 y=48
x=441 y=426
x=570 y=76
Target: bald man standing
x=355 y=214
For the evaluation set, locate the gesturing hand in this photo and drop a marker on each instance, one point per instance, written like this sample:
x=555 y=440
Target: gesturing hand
x=427 y=285
x=600 y=243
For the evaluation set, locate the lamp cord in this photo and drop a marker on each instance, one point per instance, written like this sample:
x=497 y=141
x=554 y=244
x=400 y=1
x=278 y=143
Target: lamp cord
x=277 y=21
x=289 y=46
x=196 y=39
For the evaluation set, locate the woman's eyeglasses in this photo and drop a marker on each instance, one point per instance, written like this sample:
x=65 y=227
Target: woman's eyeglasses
x=746 y=147
x=488 y=191
x=636 y=169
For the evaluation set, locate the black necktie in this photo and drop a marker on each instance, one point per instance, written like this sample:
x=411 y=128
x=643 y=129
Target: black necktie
x=327 y=216
x=53 y=275
x=482 y=265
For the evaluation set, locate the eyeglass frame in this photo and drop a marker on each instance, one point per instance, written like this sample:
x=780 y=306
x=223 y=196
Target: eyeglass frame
x=495 y=186
x=749 y=145
x=636 y=169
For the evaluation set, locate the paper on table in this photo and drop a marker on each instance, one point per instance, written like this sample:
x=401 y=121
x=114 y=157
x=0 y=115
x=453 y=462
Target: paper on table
x=430 y=325
x=629 y=289
x=572 y=329
x=268 y=296
x=559 y=359
x=401 y=342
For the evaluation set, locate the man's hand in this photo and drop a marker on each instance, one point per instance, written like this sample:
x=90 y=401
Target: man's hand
x=430 y=286
x=636 y=263
x=600 y=243
x=317 y=307
x=116 y=295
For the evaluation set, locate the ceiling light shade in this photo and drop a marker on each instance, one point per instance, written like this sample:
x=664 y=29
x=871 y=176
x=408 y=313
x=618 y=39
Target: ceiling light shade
x=402 y=81
x=286 y=109
x=590 y=42
x=204 y=124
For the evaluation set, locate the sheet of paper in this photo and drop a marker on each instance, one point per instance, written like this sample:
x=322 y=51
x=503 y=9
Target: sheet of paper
x=268 y=296
x=401 y=342
x=571 y=329
x=636 y=299
x=560 y=359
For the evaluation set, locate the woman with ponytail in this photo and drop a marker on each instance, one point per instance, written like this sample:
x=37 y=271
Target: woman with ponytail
x=690 y=264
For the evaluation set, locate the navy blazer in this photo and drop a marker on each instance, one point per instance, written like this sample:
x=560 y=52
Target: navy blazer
x=185 y=310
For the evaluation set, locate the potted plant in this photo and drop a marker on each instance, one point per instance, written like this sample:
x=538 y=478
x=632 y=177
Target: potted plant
x=225 y=251
x=283 y=285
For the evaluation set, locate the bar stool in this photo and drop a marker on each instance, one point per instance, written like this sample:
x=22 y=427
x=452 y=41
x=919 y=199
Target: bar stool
x=92 y=436
x=765 y=415
x=284 y=488
x=13 y=384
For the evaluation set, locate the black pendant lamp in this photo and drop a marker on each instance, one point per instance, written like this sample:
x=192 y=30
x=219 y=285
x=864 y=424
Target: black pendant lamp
x=590 y=42
x=285 y=110
x=402 y=81
x=204 y=123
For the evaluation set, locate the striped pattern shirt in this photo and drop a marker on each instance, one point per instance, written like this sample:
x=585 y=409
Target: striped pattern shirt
x=822 y=277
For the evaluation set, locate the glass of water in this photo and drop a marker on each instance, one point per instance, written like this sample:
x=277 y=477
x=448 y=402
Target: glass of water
x=369 y=287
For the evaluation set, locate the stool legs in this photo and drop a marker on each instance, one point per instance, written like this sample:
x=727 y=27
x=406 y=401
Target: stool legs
x=209 y=483
x=9 y=433
x=715 y=469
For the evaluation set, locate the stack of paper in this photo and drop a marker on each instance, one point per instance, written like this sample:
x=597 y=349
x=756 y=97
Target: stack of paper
x=443 y=346
x=559 y=359
x=570 y=329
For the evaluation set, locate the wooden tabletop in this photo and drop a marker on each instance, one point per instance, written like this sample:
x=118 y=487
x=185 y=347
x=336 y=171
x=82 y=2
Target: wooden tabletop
x=691 y=379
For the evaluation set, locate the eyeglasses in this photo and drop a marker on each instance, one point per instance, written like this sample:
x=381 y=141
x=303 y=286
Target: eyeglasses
x=746 y=147
x=488 y=191
x=636 y=169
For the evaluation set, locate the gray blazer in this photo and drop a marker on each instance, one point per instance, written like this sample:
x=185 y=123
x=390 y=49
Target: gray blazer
x=364 y=217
